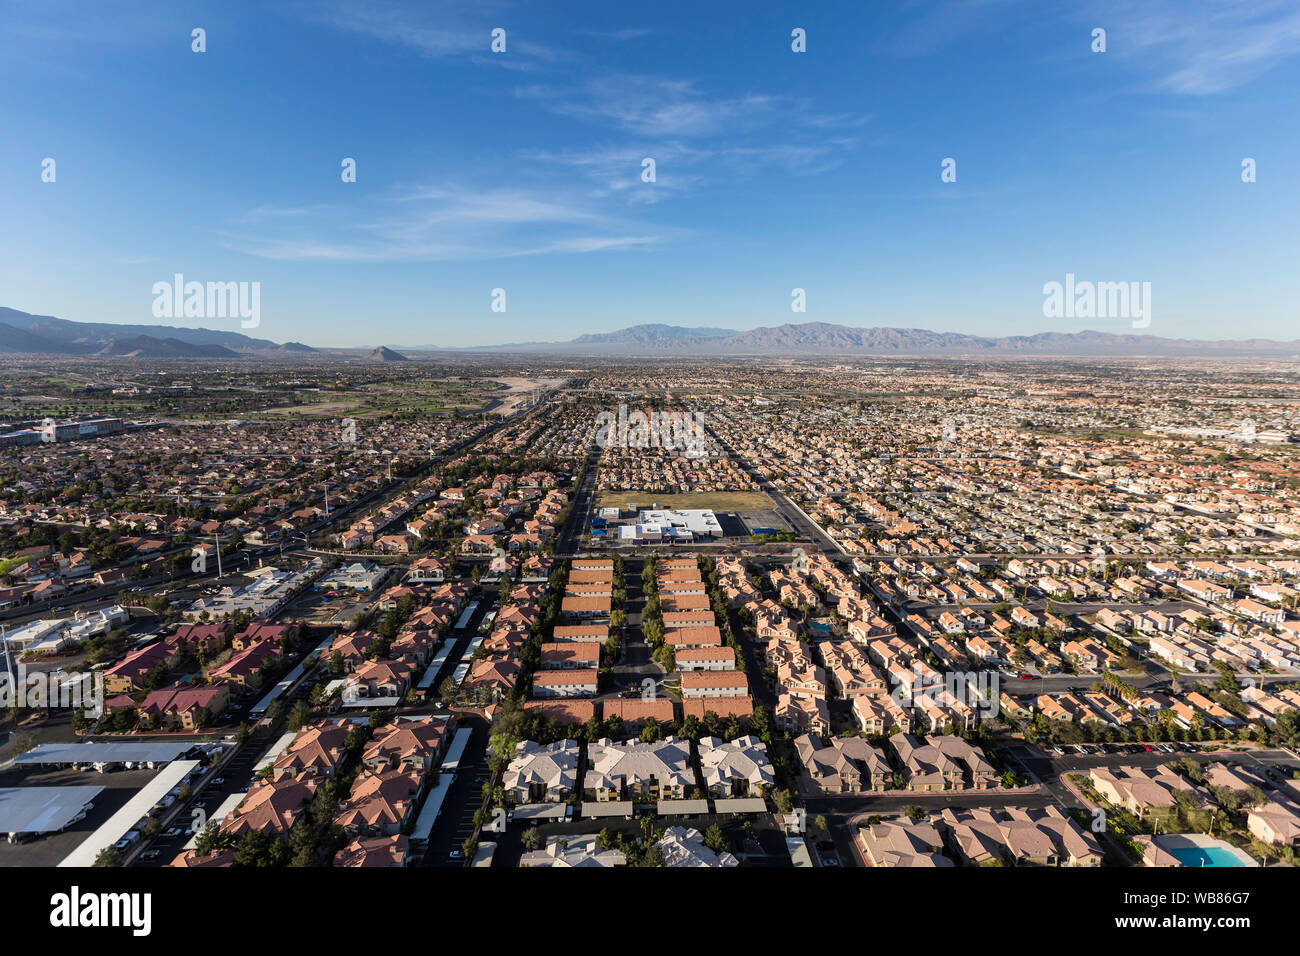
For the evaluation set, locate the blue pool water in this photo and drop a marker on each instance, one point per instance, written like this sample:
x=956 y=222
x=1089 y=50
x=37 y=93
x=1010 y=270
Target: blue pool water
x=1205 y=856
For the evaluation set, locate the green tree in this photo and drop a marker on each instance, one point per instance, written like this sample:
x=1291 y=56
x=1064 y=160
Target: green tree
x=211 y=839
x=715 y=840
x=299 y=714
x=501 y=747
x=651 y=732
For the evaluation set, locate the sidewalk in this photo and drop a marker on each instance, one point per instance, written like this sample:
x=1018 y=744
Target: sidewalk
x=1077 y=795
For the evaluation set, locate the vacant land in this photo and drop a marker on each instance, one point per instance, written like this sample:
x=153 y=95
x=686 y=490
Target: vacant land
x=382 y=401
x=716 y=500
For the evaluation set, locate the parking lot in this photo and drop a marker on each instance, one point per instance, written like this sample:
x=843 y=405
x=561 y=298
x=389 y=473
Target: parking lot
x=49 y=849
x=1172 y=749
x=456 y=822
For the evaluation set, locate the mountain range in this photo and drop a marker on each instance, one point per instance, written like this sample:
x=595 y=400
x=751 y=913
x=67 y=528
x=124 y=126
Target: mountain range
x=821 y=338
x=24 y=333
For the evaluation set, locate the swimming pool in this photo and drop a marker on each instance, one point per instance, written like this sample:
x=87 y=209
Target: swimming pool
x=1205 y=856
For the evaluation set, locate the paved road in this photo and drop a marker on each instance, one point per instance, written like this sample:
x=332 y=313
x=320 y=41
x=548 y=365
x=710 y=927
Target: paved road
x=575 y=529
x=784 y=506
x=456 y=821
x=636 y=663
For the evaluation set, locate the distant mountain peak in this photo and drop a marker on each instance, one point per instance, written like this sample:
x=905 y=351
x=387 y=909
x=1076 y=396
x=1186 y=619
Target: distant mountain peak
x=826 y=339
x=655 y=334
x=148 y=346
x=24 y=333
x=384 y=354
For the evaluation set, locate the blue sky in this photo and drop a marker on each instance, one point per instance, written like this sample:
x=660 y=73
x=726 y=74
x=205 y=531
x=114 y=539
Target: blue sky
x=775 y=169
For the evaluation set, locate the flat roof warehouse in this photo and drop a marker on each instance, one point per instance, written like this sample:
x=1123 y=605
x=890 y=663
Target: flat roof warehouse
x=684 y=526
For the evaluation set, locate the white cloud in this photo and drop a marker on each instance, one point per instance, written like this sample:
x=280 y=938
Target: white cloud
x=440 y=223
x=459 y=28
x=652 y=105
x=1202 y=47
